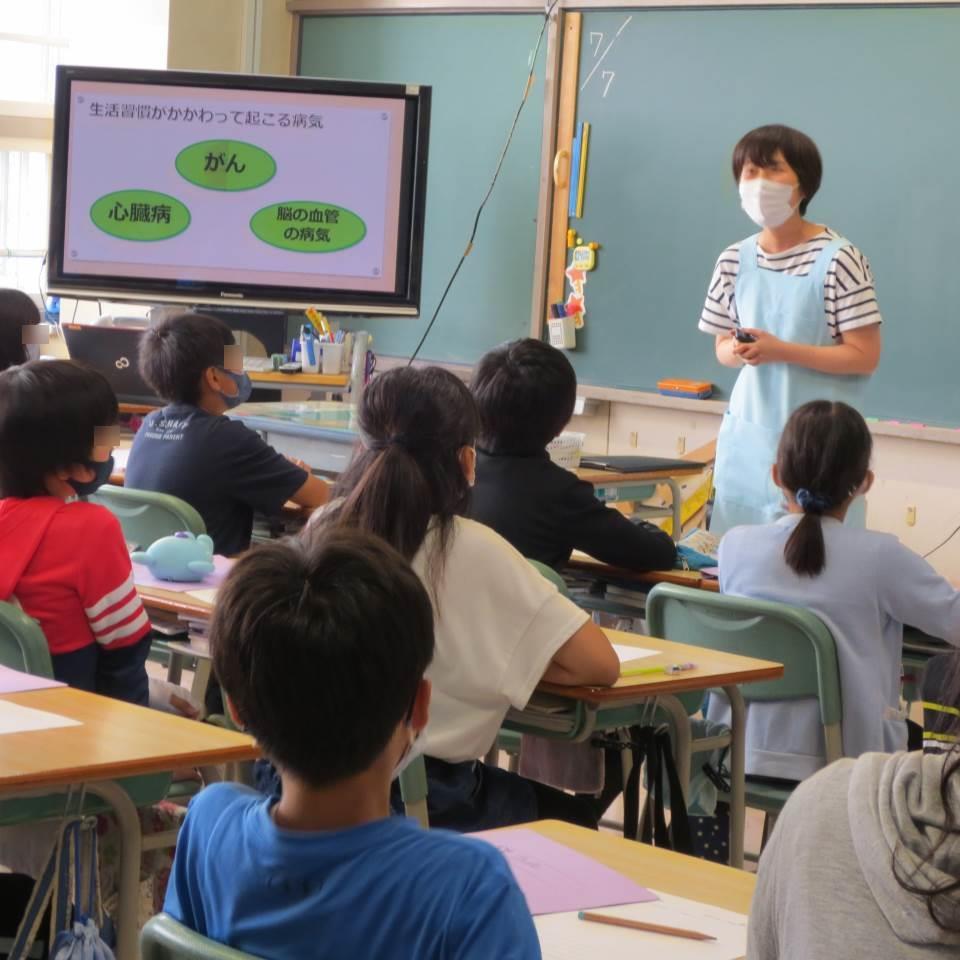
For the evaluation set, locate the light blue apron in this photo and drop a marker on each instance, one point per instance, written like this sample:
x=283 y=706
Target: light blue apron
x=764 y=396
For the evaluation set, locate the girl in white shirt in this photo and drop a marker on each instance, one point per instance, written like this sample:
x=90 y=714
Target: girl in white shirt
x=863 y=584
x=501 y=627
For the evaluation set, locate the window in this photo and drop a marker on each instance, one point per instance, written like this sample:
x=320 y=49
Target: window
x=36 y=36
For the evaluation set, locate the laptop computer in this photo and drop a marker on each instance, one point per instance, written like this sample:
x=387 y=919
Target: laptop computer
x=112 y=351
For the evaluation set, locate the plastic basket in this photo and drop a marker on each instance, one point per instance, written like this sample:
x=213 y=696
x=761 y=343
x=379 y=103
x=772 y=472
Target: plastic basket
x=565 y=450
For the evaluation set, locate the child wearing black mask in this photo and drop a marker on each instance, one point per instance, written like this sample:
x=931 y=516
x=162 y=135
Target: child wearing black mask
x=63 y=560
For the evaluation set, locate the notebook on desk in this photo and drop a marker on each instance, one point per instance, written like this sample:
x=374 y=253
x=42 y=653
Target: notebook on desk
x=637 y=464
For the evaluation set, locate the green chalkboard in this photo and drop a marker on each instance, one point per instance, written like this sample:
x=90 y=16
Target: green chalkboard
x=477 y=66
x=875 y=87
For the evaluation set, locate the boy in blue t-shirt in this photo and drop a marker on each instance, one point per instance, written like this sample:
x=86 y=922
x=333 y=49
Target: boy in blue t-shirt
x=190 y=450
x=321 y=646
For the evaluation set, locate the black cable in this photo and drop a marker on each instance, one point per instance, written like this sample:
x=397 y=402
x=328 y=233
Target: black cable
x=930 y=553
x=528 y=86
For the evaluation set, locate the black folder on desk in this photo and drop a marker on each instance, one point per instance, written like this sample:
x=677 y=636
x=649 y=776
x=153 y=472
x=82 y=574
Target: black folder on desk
x=636 y=464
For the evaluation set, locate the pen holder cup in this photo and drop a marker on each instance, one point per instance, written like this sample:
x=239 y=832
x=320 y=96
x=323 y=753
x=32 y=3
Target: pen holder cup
x=563 y=334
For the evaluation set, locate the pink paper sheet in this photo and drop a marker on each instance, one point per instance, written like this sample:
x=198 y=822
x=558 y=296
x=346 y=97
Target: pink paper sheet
x=13 y=681
x=556 y=879
x=143 y=577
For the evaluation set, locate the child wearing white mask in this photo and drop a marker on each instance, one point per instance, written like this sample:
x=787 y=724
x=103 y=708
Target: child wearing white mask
x=795 y=307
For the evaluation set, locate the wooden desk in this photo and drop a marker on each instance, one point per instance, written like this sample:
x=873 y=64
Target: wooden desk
x=114 y=740
x=613 y=487
x=606 y=708
x=602 y=571
x=673 y=873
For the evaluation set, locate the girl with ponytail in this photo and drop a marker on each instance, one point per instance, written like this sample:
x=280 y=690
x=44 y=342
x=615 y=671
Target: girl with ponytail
x=863 y=584
x=500 y=626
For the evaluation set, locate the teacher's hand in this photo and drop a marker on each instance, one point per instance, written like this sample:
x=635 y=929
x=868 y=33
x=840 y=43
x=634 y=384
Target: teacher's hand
x=766 y=348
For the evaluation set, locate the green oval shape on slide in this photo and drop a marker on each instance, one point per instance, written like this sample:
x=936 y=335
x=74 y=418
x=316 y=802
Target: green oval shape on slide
x=225 y=165
x=307 y=226
x=141 y=215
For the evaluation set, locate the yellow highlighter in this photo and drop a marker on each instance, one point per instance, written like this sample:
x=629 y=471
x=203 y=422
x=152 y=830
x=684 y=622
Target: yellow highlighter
x=649 y=671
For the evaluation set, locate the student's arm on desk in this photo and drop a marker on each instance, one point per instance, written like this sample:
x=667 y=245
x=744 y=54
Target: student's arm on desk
x=586 y=659
x=608 y=536
x=314 y=492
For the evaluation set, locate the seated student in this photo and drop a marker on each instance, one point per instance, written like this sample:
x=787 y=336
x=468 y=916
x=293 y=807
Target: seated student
x=17 y=311
x=864 y=862
x=64 y=561
x=940 y=718
x=321 y=647
x=865 y=585
x=191 y=450
x=501 y=627
x=526 y=391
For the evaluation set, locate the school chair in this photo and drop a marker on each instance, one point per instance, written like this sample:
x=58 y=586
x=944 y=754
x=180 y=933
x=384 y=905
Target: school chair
x=22 y=643
x=164 y=938
x=795 y=637
x=413 y=790
x=146 y=516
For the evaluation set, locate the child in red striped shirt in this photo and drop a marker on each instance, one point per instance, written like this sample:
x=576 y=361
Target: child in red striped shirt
x=63 y=560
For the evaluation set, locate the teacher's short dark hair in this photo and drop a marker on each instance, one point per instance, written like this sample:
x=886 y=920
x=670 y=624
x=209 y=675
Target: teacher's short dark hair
x=526 y=391
x=176 y=352
x=760 y=146
x=321 y=643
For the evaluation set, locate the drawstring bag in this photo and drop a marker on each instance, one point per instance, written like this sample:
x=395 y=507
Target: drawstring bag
x=71 y=881
x=651 y=747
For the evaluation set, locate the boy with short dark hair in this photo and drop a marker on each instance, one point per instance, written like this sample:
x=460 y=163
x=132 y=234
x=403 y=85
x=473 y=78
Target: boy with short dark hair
x=65 y=561
x=190 y=450
x=321 y=647
x=526 y=391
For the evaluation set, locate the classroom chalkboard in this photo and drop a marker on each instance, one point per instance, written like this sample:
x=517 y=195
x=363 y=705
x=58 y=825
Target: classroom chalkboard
x=477 y=66
x=875 y=87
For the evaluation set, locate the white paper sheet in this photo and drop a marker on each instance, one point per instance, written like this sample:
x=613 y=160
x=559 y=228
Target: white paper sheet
x=17 y=719
x=563 y=936
x=627 y=653
x=208 y=595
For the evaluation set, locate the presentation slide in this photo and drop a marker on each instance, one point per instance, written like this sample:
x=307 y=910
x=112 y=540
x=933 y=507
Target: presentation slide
x=233 y=186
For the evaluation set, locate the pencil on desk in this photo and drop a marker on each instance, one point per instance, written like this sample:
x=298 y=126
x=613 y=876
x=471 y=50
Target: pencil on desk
x=670 y=668
x=647 y=927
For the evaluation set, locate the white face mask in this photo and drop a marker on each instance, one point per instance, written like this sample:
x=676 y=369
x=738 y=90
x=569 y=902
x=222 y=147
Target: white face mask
x=33 y=351
x=408 y=756
x=766 y=202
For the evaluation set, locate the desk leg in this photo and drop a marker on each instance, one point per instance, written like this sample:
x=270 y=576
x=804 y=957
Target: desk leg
x=677 y=508
x=129 y=821
x=201 y=679
x=738 y=799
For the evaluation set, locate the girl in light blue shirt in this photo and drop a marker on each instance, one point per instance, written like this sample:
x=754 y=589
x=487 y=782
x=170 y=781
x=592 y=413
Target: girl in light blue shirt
x=863 y=584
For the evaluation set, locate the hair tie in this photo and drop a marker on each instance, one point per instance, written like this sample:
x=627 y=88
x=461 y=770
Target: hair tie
x=398 y=440
x=810 y=502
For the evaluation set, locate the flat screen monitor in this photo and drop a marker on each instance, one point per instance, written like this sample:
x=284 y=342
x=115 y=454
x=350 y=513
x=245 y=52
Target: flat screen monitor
x=205 y=188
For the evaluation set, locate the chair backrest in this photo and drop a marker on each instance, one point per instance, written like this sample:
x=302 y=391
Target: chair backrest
x=797 y=638
x=413 y=790
x=146 y=516
x=164 y=938
x=22 y=643
x=551 y=575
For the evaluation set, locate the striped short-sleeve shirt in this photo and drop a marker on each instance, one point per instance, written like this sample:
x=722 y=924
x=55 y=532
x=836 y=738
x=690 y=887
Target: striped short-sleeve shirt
x=849 y=294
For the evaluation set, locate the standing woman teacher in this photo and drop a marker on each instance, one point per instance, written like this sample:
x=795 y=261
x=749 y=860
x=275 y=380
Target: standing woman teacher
x=804 y=298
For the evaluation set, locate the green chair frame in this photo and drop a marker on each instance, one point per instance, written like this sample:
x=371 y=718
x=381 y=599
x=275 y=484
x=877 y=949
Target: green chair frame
x=146 y=516
x=164 y=938
x=795 y=637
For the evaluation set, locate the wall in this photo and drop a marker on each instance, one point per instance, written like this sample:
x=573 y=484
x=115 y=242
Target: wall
x=214 y=34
